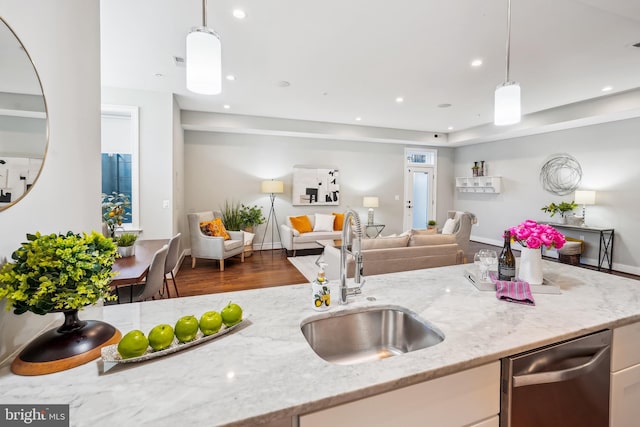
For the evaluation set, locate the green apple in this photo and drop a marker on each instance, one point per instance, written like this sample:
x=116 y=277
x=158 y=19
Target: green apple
x=133 y=344
x=231 y=314
x=186 y=328
x=161 y=337
x=210 y=322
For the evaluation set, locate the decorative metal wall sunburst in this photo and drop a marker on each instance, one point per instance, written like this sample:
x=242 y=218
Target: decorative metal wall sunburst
x=561 y=174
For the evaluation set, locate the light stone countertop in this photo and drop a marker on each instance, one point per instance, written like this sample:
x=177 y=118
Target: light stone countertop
x=267 y=371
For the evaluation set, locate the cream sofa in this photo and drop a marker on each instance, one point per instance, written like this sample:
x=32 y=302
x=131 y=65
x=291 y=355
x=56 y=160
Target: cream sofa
x=392 y=254
x=292 y=240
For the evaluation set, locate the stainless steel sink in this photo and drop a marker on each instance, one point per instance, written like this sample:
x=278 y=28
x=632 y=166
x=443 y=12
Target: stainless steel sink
x=366 y=334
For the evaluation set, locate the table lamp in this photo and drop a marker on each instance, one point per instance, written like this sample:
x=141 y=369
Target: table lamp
x=370 y=202
x=585 y=197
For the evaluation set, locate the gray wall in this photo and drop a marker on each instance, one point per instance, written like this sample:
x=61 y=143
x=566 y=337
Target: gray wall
x=224 y=166
x=608 y=154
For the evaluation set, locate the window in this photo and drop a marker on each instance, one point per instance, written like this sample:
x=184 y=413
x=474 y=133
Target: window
x=120 y=157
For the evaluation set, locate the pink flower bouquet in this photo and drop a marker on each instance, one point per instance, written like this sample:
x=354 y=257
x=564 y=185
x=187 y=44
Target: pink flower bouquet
x=532 y=235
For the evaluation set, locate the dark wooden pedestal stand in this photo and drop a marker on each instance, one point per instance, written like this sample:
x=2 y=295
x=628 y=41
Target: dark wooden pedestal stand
x=74 y=343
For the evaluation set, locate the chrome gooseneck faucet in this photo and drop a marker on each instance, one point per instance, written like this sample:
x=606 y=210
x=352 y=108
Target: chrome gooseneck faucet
x=351 y=236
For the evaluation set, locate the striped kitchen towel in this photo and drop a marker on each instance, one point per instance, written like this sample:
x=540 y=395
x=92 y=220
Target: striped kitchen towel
x=516 y=291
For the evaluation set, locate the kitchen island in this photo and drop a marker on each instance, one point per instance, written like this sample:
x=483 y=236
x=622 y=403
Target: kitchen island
x=265 y=371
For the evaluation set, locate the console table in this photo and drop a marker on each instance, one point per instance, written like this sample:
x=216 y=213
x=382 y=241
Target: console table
x=605 y=244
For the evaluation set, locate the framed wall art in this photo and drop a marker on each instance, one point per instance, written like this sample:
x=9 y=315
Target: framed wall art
x=315 y=186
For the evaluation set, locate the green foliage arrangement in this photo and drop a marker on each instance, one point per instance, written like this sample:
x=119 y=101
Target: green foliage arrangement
x=113 y=210
x=431 y=223
x=562 y=207
x=250 y=216
x=231 y=216
x=126 y=239
x=58 y=272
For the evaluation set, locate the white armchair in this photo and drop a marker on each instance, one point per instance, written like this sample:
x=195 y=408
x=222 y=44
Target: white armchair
x=209 y=247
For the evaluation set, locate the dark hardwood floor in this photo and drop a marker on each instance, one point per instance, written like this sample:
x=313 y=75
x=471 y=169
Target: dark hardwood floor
x=263 y=269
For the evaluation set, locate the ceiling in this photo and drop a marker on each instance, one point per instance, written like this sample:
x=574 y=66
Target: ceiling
x=348 y=59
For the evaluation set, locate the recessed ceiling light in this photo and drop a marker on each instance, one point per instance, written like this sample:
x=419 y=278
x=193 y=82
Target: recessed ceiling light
x=226 y=106
x=450 y=128
x=283 y=83
x=358 y=118
x=159 y=75
x=239 y=14
x=476 y=62
x=399 y=100
x=607 y=88
x=445 y=105
x=231 y=77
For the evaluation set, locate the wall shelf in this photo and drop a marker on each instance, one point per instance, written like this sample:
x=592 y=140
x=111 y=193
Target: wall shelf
x=479 y=184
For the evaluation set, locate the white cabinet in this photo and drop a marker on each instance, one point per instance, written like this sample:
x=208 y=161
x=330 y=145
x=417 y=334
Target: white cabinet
x=479 y=184
x=470 y=398
x=625 y=377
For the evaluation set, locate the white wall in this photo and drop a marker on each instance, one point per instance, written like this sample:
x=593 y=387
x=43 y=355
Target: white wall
x=179 y=213
x=156 y=156
x=66 y=195
x=223 y=166
x=608 y=154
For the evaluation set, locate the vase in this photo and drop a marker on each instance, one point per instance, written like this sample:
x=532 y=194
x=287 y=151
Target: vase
x=530 y=269
x=74 y=343
x=126 y=251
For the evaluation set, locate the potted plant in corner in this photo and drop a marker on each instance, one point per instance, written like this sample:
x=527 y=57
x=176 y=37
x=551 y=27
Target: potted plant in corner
x=431 y=224
x=562 y=208
x=250 y=216
x=231 y=216
x=60 y=273
x=126 y=244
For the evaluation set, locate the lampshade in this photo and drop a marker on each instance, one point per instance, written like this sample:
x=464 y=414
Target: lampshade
x=370 y=202
x=585 y=197
x=507 y=104
x=204 y=61
x=272 y=186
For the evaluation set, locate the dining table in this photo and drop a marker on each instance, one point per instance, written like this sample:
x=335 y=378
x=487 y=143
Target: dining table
x=133 y=269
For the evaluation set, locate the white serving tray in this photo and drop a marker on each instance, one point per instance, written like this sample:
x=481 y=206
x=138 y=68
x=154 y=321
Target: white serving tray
x=547 y=286
x=110 y=353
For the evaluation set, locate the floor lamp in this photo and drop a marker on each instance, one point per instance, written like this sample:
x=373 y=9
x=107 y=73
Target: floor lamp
x=272 y=188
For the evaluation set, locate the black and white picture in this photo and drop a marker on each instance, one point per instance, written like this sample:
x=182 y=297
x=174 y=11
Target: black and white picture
x=315 y=186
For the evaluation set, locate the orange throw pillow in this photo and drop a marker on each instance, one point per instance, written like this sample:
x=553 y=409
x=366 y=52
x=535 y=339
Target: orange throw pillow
x=215 y=228
x=301 y=223
x=338 y=221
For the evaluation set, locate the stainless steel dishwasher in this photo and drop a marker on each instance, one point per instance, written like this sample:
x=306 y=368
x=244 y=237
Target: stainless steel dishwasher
x=565 y=384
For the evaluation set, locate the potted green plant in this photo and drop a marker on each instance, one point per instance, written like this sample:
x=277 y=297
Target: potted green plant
x=250 y=216
x=125 y=243
x=114 y=211
x=231 y=216
x=562 y=208
x=60 y=273
x=431 y=224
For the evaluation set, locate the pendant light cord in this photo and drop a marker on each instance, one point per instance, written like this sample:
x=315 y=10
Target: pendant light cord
x=204 y=13
x=508 y=39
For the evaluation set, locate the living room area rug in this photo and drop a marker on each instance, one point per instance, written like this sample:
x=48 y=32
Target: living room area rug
x=306 y=265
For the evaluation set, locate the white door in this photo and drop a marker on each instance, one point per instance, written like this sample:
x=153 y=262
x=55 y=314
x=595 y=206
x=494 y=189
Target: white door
x=419 y=197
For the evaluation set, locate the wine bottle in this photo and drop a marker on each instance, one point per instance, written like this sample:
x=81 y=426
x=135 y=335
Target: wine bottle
x=506 y=260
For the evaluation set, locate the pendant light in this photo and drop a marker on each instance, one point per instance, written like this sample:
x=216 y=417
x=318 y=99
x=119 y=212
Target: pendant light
x=204 y=58
x=507 y=97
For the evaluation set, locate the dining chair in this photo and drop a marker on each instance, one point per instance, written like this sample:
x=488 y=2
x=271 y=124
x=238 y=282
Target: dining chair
x=154 y=280
x=173 y=256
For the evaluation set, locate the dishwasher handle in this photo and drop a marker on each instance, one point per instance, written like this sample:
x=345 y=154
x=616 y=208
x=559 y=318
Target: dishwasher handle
x=562 y=375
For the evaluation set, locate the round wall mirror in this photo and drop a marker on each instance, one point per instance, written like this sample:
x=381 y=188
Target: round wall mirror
x=23 y=120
